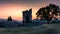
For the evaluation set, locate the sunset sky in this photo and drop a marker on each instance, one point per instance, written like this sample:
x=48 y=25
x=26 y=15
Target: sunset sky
x=14 y=8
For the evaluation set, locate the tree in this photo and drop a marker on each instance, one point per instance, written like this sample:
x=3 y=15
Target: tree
x=47 y=12
x=9 y=18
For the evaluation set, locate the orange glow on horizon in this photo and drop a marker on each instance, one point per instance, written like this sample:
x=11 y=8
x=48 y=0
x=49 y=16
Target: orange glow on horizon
x=15 y=10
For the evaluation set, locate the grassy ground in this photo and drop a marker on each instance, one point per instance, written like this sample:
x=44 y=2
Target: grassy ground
x=43 y=29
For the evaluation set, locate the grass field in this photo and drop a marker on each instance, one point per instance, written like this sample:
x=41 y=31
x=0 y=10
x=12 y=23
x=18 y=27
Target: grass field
x=43 y=29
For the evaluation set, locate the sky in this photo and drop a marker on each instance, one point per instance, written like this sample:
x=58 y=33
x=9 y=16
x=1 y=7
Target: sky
x=14 y=8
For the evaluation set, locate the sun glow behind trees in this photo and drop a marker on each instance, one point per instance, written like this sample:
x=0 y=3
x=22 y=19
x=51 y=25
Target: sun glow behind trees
x=14 y=9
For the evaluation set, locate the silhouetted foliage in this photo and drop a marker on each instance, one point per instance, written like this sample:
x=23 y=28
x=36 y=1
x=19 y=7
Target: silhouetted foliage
x=1 y=25
x=48 y=12
x=9 y=18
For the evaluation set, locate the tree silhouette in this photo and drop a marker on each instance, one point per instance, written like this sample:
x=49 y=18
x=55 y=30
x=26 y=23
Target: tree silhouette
x=9 y=18
x=48 y=12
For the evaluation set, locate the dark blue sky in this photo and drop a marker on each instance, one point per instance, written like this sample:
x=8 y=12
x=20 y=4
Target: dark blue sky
x=31 y=1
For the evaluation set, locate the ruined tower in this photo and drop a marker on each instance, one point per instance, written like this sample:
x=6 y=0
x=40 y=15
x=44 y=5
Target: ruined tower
x=27 y=16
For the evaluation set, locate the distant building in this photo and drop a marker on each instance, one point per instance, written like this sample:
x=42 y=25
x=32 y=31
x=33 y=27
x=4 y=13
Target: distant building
x=27 y=16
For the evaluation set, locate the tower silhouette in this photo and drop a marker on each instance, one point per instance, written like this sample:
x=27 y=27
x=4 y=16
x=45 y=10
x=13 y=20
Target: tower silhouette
x=27 y=16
